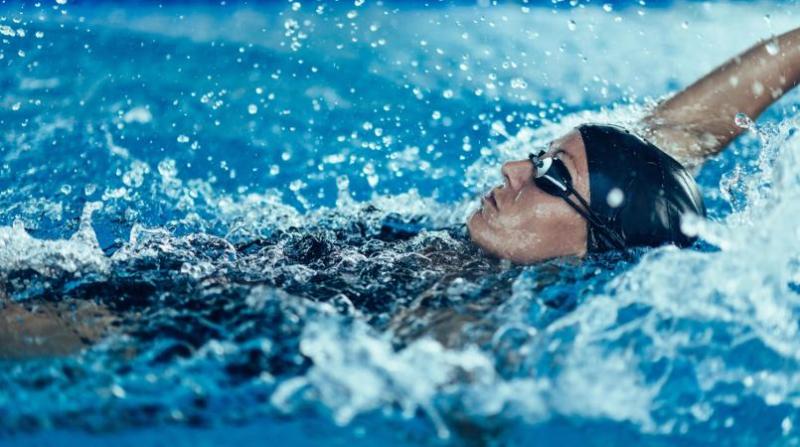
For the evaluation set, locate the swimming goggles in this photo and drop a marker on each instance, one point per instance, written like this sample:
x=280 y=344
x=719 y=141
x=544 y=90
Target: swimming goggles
x=552 y=176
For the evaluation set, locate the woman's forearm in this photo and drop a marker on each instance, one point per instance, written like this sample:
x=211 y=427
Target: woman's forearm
x=701 y=117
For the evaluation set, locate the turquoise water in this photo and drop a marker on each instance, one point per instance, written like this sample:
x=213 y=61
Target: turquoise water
x=270 y=198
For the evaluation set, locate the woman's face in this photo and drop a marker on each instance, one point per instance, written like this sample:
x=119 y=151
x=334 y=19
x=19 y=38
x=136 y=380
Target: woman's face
x=520 y=222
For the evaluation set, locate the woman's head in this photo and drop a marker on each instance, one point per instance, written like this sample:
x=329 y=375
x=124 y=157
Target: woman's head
x=635 y=195
x=520 y=222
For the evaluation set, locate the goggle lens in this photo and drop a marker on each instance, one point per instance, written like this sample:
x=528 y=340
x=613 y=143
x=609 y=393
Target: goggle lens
x=551 y=175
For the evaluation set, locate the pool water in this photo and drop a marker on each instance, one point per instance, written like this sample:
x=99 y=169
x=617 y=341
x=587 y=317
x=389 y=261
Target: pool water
x=269 y=199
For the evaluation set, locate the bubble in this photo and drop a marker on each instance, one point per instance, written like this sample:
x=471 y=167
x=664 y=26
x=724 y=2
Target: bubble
x=572 y=25
x=615 y=198
x=183 y=139
x=436 y=115
x=358 y=2
x=252 y=109
x=61 y=2
x=447 y=94
x=607 y=7
x=16 y=106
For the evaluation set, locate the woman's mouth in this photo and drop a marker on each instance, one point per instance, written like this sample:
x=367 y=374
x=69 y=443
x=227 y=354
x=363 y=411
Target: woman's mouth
x=490 y=199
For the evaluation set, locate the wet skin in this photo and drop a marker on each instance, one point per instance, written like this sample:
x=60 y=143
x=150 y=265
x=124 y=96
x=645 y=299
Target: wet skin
x=520 y=222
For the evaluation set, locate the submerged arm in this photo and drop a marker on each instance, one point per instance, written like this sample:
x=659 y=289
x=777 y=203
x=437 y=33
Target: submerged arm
x=699 y=121
x=40 y=328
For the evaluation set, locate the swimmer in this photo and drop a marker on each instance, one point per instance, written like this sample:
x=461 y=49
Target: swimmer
x=602 y=187
x=597 y=188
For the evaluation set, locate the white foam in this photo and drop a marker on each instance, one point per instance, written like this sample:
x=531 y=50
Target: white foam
x=80 y=254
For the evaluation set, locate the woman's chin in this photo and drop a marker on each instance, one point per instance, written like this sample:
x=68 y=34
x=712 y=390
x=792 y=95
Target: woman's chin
x=476 y=224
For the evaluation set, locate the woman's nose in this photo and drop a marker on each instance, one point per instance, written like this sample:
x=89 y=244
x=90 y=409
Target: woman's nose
x=517 y=173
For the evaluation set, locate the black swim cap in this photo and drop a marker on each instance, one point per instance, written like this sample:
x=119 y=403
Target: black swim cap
x=655 y=190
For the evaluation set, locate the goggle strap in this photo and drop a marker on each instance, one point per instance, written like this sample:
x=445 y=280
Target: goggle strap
x=592 y=219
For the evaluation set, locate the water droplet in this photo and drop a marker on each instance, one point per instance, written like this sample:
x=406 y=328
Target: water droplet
x=572 y=25
x=252 y=109
x=518 y=83
x=758 y=88
x=772 y=47
x=296 y=6
x=607 y=7
x=358 y=2
x=786 y=425
x=138 y=115
x=342 y=182
x=743 y=121
x=615 y=197
x=297 y=185
x=61 y=2
x=116 y=390
x=183 y=139
x=436 y=114
x=167 y=169
x=685 y=24
x=16 y=106
x=447 y=94
x=500 y=128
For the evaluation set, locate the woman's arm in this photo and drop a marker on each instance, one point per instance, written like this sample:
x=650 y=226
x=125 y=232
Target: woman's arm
x=699 y=121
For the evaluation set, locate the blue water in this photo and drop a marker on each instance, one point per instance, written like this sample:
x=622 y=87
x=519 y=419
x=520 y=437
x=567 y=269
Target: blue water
x=270 y=199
